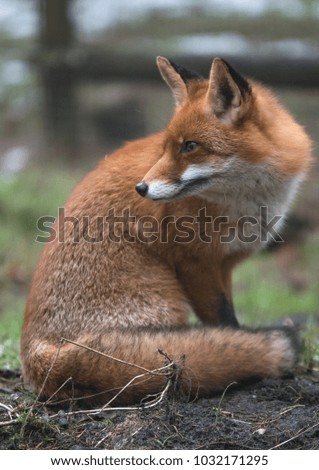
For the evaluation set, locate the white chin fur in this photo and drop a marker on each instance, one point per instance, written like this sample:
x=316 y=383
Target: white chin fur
x=240 y=189
x=161 y=190
x=164 y=190
x=194 y=172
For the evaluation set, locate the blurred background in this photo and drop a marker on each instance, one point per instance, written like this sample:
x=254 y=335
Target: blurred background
x=78 y=78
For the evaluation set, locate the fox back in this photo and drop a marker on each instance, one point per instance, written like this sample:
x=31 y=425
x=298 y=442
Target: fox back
x=154 y=233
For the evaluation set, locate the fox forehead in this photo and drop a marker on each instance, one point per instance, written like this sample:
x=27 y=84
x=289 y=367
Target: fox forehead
x=195 y=124
x=196 y=89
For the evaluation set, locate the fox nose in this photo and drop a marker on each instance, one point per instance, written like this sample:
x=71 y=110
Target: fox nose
x=142 y=188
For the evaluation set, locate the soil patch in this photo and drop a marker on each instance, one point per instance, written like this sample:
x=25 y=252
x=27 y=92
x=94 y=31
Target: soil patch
x=274 y=413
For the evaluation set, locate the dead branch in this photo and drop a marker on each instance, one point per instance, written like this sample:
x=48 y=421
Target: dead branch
x=47 y=402
x=5 y=407
x=8 y=423
x=105 y=355
x=95 y=411
x=170 y=370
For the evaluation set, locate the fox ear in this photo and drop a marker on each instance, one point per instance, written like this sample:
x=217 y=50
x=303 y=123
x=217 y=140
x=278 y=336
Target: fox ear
x=229 y=94
x=173 y=79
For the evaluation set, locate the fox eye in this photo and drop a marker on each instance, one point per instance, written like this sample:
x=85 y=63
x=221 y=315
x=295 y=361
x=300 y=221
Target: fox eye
x=189 y=146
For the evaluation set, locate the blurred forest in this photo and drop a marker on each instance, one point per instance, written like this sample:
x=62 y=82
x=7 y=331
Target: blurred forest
x=78 y=78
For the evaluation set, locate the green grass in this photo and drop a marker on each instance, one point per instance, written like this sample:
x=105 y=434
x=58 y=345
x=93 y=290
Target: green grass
x=10 y=331
x=262 y=295
x=23 y=199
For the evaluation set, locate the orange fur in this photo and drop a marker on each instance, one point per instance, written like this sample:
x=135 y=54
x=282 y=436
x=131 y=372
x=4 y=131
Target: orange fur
x=131 y=296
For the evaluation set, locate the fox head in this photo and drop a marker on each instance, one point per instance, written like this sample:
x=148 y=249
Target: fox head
x=225 y=135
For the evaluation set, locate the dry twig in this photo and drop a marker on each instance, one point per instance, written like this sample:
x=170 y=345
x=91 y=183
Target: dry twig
x=8 y=423
x=169 y=370
x=295 y=437
x=105 y=355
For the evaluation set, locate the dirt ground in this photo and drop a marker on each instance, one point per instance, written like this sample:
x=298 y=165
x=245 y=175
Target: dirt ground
x=271 y=414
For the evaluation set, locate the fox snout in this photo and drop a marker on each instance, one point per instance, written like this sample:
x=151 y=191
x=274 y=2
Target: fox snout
x=142 y=188
x=193 y=180
x=168 y=190
x=159 y=190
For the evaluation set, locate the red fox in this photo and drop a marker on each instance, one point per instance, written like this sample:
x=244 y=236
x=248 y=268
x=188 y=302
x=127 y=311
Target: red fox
x=154 y=233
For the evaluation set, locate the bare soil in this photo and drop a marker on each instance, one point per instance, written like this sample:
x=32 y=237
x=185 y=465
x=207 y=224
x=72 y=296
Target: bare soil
x=274 y=413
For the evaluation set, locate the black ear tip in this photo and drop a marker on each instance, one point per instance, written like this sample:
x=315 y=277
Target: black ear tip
x=242 y=83
x=186 y=74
